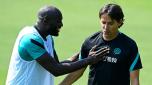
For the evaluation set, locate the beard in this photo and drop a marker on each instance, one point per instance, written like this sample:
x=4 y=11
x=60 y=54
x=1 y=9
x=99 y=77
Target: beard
x=53 y=30
x=54 y=33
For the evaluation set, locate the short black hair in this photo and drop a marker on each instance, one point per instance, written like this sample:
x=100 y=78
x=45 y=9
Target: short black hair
x=114 y=11
x=49 y=13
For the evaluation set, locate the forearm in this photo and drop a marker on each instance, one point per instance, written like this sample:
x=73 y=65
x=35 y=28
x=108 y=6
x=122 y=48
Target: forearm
x=64 y=68
x=72 y=77
x=134 y=77
x=66 y=61
x=135 y=82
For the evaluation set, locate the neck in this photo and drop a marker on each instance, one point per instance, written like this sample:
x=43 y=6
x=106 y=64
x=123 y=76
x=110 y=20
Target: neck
x=41 y=31
x=109 y=38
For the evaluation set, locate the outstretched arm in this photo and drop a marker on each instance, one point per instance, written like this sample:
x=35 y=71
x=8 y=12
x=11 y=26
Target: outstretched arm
x=134 y=77
x=57 y=69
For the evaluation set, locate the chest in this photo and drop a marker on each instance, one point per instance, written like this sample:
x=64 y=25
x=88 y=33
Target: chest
x=119 y=52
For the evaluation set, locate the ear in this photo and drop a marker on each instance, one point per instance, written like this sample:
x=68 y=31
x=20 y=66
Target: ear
x=121 y=22
x=45 y=21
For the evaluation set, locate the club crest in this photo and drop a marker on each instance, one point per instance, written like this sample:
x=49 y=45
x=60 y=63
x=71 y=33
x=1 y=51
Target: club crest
x=117 y=51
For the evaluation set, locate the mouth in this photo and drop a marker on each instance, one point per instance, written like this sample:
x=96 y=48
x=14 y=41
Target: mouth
x=106 y=33
x=58 y=30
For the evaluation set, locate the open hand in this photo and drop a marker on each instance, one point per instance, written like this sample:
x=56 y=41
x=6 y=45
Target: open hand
x=98 y=55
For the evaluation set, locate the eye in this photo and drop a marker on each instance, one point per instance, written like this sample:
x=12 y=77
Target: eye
x=103 y=22
x=111 y=23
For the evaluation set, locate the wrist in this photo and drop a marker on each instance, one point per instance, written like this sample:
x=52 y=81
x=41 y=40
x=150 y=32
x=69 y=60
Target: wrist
x=89 y=61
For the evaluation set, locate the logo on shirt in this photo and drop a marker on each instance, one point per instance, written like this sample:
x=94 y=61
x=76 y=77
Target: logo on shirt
x=110 y=59
x=117 y=51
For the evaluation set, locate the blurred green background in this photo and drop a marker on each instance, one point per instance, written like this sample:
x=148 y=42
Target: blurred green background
x=80 y=19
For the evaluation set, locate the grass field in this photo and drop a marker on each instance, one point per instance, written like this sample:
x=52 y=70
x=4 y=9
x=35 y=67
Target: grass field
x=80 y=19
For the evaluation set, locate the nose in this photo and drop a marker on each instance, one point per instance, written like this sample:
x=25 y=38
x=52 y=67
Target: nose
x=60 y=24
x=105 y=27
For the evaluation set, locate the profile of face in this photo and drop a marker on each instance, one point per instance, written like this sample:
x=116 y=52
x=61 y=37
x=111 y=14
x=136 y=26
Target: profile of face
x=54 y=26
x=109 y=26
x=51 y=19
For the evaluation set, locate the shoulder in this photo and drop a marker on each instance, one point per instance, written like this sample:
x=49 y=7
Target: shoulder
x=128 y=40
x=93 y=37
x=96 y=34
x=29 y=33
x=30 y=39
x=91 y=40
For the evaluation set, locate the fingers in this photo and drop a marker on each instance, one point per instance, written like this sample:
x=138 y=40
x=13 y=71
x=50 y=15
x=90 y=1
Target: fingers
x=102 y=49
x=92 y=52
x=93 y=48
x=100 y=54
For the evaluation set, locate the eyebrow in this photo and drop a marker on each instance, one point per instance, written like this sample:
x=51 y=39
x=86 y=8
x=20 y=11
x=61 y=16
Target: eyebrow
x=109 y=21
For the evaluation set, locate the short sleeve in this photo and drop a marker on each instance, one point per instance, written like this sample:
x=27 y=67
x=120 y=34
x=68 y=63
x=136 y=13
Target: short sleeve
x=84 y=51
x=134 y=61
x=31 y=47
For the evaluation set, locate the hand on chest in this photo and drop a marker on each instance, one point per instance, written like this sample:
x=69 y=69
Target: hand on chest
x=118 y=53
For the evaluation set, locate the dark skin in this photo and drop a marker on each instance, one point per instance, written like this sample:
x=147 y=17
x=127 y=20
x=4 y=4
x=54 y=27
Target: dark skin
x=50 y=25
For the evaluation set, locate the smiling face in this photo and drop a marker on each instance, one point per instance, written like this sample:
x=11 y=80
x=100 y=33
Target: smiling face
x=109 y=27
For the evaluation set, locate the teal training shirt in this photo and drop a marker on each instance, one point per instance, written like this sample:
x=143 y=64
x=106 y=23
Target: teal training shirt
x=29 y=50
